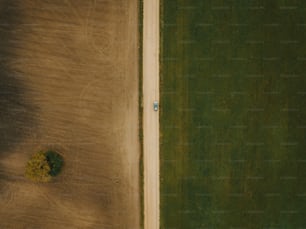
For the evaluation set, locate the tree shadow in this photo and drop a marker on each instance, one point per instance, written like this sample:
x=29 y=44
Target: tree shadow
x=16 y=112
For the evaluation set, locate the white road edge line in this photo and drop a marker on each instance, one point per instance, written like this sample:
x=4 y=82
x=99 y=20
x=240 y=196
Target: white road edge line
x=151 y=117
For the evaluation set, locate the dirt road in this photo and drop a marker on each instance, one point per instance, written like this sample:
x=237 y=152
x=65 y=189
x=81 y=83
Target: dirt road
x=151 y=117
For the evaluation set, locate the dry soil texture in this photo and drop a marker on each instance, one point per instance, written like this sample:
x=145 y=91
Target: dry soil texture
x=150 y=117
x=69 y=82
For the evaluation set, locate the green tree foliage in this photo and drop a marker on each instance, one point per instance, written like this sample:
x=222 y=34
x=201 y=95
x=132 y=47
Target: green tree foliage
x=43 y=166
x=55 y=162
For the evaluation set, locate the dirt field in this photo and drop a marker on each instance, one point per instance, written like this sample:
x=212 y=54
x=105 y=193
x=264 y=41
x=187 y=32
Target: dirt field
x=69 y=81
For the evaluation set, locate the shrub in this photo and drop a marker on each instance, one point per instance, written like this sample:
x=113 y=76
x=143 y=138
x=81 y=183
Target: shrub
x=38 y=168
x=43 y=166
x=55 y=162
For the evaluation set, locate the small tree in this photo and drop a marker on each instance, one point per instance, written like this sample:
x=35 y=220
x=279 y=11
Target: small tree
x=43 y=166
x=38 y=168
x=55 y=162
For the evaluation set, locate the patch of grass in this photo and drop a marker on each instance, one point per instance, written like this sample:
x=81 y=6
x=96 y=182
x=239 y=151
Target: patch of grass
x=232 y=114
x=140 y=108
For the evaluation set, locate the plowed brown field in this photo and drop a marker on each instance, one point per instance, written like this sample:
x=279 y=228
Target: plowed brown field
x=69 y=82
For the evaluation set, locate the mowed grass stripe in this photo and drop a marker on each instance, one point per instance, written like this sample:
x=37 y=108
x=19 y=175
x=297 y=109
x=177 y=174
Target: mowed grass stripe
x=233 y=114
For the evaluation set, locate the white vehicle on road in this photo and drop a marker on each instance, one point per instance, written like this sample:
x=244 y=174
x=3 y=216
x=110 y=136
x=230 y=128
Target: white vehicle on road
x=155 y=105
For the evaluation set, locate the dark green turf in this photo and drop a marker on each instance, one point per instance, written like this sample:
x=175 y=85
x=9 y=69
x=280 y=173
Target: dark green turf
x=233 y=105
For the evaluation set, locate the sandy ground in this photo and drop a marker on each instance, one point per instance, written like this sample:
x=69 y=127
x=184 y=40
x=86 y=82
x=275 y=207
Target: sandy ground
x=69 y=82
x=151 y=117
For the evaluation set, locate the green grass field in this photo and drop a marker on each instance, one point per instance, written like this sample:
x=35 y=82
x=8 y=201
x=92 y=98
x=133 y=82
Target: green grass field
x=233 y=114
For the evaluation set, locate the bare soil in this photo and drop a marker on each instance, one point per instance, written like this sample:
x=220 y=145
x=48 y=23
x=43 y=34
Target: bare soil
x=69 y=82
x=151 y=117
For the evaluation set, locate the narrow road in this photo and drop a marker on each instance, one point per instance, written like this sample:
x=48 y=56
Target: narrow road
x=151 y=117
